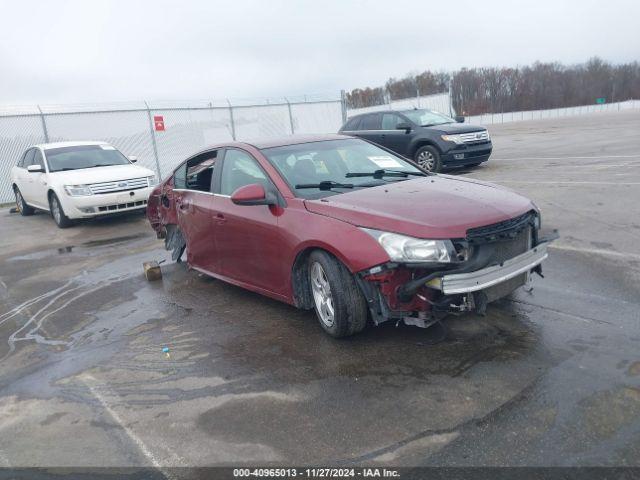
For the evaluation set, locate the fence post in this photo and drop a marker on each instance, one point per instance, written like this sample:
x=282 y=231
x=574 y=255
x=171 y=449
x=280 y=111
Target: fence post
x=343 y=106
x=153 y=140
x=233 y=125
x=290 y=115
x=44 y=125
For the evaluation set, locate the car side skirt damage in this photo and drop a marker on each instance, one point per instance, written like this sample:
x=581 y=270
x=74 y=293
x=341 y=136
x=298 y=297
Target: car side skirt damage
x=174 y=241
x=493 y=262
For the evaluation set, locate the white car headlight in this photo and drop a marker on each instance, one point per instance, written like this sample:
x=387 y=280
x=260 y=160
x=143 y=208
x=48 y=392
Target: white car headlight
x=152 y=180
x=401 y=248
x=452 y=138
x=78 y=190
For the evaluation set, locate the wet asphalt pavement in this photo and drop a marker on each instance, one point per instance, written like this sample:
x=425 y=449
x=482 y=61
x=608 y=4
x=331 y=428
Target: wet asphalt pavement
x=550 y=377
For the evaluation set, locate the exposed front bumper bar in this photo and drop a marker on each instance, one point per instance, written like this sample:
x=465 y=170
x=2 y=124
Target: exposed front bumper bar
x=487 y=277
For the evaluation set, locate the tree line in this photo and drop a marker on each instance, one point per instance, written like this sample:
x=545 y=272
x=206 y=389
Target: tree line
x=505 y=89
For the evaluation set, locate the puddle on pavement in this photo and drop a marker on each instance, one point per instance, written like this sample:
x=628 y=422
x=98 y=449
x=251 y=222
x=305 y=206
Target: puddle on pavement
x=114 y=240
x=84 y=248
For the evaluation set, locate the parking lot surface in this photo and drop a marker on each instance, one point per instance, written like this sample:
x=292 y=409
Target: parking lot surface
x=550 y=377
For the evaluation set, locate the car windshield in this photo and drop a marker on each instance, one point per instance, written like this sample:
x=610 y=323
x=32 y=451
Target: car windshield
x=83 y=156
x=427 y=118
x=318 y=169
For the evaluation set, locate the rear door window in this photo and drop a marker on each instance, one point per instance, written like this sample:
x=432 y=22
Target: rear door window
x=200 y=171
x=180 y=177
x=352 y=124
x=196 y=173
x=370 y=122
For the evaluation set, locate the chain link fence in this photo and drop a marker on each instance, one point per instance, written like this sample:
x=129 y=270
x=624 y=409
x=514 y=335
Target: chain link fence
x=187 y=128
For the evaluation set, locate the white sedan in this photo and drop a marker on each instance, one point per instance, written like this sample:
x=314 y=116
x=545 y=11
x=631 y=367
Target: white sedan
x=74 y=180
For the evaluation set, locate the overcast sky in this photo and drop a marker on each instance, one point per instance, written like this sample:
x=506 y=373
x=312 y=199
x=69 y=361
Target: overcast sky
x=96 y=51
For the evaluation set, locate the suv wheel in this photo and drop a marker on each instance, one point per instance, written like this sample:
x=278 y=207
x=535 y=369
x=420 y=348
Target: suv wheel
x=428 y=158
x=58 y=213
x=339 y=303
x=24 y=209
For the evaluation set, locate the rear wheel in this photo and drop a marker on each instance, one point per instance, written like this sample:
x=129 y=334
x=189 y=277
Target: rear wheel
x=24 y=209
x=339 y=303
x=428 y=158
x=58 y=213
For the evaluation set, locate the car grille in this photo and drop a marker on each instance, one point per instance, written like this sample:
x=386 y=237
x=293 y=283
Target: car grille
x=507 y=239
x=505 y=230
x=122 y=206
x=475 y=137
x=507 y=249
x=479 y=153
x=119 y=186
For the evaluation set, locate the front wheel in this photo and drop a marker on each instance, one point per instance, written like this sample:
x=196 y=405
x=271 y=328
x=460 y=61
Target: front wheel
x=24 y=209
x=428 y=158
x=58 y=213
x=339 y=304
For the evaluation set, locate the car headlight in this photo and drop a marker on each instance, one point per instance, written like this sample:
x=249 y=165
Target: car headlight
x=401 y=248
x=452 y=138
x=152 y=180
x=78 y=190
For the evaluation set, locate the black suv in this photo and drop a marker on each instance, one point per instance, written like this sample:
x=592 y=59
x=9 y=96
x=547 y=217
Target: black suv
x=431 y=139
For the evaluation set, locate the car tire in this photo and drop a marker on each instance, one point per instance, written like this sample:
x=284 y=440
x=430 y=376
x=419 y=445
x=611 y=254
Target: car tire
x=24 y=209
x=428 y=158
x=339 y=304
x=57 y=212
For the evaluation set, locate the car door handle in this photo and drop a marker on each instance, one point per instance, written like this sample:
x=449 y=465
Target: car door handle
x=220 y=218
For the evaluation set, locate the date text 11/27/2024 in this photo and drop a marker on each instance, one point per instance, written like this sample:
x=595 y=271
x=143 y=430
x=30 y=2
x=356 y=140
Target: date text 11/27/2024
x=315 y=473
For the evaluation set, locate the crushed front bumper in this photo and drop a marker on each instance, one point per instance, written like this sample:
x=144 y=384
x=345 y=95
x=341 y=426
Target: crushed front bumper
x=487 y=277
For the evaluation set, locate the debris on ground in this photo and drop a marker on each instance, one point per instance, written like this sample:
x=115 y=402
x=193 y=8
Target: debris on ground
x=152 y=271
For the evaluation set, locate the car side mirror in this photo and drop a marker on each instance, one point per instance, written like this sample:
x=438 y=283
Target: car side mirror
x=404 y=126
x=35 y=169
x=459 y=118
x=132 y=158
x=253 y=194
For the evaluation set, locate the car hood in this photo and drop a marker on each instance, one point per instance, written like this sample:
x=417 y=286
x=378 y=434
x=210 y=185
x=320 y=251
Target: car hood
x=453 y=128
x=110 y=173
x=436 y=206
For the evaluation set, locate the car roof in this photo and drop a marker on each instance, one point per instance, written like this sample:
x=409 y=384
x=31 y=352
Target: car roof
x=46 y=146
x=292 y=140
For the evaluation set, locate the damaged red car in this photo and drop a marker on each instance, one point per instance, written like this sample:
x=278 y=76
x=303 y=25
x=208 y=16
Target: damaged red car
x=348 y=228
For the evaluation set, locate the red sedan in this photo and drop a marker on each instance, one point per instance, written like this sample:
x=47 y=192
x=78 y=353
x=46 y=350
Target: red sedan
x=348 y=228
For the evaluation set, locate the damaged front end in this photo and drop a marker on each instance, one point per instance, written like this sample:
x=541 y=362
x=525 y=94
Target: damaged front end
x=488 y=264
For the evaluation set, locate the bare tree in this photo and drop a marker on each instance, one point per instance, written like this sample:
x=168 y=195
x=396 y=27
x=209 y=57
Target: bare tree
x=504 y=89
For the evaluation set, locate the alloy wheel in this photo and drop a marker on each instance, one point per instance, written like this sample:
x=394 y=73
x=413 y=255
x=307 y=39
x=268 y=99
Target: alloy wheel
x=55 y=209
x=322 y=294
x=426 y=160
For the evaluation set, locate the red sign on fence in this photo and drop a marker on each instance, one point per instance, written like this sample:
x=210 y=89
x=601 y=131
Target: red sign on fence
x=158 y=123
